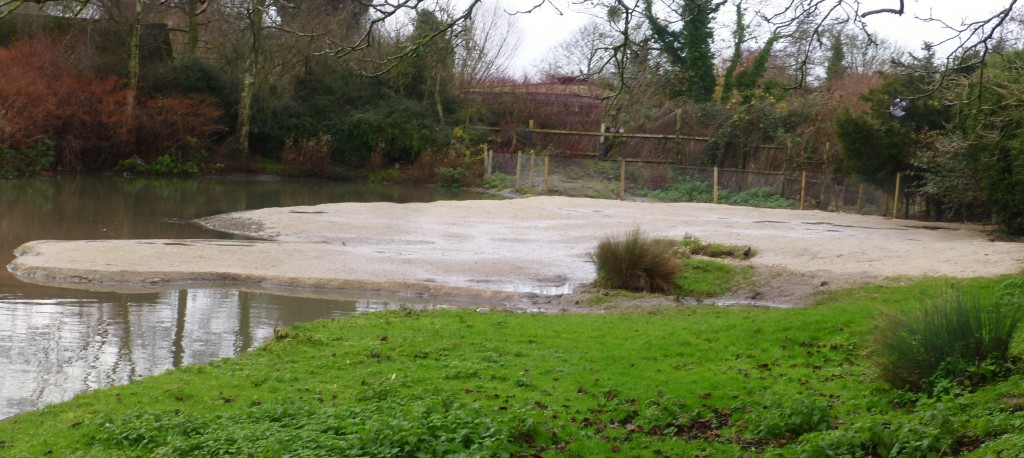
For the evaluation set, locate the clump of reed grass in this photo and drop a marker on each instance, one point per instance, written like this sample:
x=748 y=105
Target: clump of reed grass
x=957 y=339
x=636 y=262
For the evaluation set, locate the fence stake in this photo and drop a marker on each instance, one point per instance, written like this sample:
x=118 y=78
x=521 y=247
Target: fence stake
x=519 y=161
x=529 y=134
x=679 y=140
x=860 y=197
x=714 y=187
x=896 y=198
x=546 y=164
x=803 y=190
x=533 y=157
x=488 y=162
x=622 y=178
x=600 y=143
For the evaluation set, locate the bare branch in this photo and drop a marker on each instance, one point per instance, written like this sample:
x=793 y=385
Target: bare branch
x=897 y=11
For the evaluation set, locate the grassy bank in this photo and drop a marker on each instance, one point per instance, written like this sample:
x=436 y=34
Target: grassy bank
x=681 y=381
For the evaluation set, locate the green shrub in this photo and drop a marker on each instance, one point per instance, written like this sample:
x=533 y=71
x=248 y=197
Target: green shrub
x=957 y=339
x=687 y=189
x=636 y=262
x=450 y=177
x=32 y=161
x=763 y=197
x=166 y=164
x=498 y=180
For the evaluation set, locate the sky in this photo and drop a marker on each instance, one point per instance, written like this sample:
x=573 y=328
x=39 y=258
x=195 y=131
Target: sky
x=544 y=28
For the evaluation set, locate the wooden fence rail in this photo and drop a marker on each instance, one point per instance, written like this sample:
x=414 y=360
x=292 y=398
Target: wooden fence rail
x=716 y=177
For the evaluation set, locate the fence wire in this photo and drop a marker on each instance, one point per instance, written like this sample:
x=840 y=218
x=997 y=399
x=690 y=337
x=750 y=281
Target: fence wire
x=588 y=176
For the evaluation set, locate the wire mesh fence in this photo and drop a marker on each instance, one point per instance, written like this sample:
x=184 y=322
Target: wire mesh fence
x=588 y=176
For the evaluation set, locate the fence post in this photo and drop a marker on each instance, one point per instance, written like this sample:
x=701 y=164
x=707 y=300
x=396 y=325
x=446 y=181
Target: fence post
x=622 y=178
x=546 y=164
x=860 y=197
x=714 y=187
x=679 y=140
x=533 y=157
x=896 y=198
x=785 y=159
x=600 y=143
x=529 y=134
x=519 y=162
x=488 y=161
x=803 y=190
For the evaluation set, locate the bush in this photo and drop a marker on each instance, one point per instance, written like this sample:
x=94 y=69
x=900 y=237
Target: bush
x=84 y=115
x=687 y=189
x=167 y=164
x=756 y=197
x=957 y=339
x=499 y=180
x=308 y=157
x=29 y=162
x=636 y=262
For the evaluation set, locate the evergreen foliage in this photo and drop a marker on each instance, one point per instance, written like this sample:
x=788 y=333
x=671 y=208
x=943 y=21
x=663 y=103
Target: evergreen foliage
x=688 y=49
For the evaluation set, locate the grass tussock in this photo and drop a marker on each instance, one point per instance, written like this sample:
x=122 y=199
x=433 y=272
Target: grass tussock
x=636 y=262
x=957 y=339
x=693 y=246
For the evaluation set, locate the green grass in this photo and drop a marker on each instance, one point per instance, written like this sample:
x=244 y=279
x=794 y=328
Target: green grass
x=680 y=381
x=704 y=278
x=689 y=189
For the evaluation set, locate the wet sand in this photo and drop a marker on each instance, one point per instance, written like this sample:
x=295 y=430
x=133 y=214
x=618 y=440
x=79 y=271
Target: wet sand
x=496 y=250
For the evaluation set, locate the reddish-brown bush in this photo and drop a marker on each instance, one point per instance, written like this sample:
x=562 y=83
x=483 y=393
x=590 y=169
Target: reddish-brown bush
x=176 y=124
x=86 y=116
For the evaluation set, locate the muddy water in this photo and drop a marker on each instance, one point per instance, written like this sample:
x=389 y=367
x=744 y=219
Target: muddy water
x=55 y=342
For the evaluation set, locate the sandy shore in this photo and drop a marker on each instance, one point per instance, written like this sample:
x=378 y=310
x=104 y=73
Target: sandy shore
x=497 y=250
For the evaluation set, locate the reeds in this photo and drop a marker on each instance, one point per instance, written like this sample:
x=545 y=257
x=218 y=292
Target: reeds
x=957 y=339
x=636 y=262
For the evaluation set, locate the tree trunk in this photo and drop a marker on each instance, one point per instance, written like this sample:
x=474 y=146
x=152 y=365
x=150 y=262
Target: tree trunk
x=192 y=28
x=133 y=67
x=249 y=76
x=437 y=97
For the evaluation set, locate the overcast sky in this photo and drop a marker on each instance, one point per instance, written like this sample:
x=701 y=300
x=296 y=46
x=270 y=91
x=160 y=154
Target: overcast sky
x=544 y=27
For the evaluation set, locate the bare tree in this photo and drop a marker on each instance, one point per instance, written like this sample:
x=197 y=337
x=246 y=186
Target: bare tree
x=587 y=53
x=485 y=48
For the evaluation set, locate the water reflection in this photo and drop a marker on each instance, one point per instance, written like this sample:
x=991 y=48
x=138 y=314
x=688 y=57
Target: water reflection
x=56 y=342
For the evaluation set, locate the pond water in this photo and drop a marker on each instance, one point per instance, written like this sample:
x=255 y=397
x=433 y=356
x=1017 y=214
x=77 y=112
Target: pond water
x=56 y=342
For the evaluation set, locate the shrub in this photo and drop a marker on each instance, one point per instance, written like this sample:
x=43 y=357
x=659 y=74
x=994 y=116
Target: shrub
x=84 y=114
x=499 y=180
x=167 y=164
x=450 y=177
x=31 y=161
x=177 y=125
x=956 y=339
x=636 y=262
x=763 y=197
x=308 y=156
x=687 y=189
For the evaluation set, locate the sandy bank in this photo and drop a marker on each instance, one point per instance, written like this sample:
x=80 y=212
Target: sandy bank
x=493 y=249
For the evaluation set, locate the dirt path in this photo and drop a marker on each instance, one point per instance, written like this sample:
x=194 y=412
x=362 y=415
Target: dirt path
x=495 y=250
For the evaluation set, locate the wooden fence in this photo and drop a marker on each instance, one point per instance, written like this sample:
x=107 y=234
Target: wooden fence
x=535 y=173
x=610 y=142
